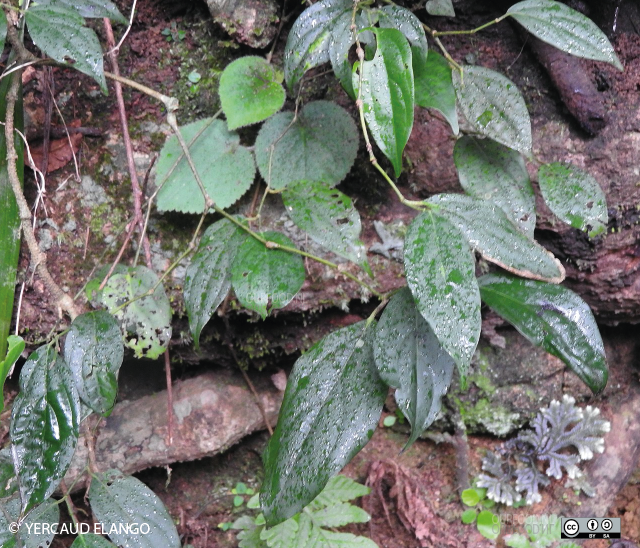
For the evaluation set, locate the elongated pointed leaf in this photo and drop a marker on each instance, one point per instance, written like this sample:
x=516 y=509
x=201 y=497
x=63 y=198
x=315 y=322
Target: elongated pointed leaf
x=388 y=94
x=566 y=29
x=440 y=7
x=554 y=318
x=94 y=351
x=410 y=358
x=331 y=407
x=440 y=272
x=490 y=171
x=494 y=106
x=574 y=196
x=44 y=426
x=397 y=17
x=265 y=279
x=434 y=87
x=491 y=233
x=92 y=9
x=208 y=277
x=328 y=216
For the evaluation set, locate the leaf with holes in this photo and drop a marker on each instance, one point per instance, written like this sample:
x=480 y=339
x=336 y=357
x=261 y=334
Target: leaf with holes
x=565 y=29
x=492 y=172
x=554 y=318
x=410 y=358
x=328 y=216
x=440 y=7
x=331 y=407
x=226 y=168
x=494 y=107
x=94 y=351
x=36 y=530
x=440 y=271
x=320 y=145
x=388 y=94
x=91 y=9
x=208 y=277
x=574 y=196
x=434 y=88
x=263 y=277
x=146 y=321
x=15 y=348
x=396 y=17
x=44 y=426
x=250 y=91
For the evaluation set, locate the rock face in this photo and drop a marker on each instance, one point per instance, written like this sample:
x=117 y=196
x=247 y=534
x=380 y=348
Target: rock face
x=250 y=22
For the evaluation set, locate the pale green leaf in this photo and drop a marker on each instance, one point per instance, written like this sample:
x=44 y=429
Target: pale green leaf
x=440 y=7
x=470 y=497
x=434 y=87
x=91 y=9
x=517 y=541
x=339 y=515
x=488 y=524
x=339 y=489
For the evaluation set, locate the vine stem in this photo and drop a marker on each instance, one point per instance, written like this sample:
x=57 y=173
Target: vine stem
x=435 y=33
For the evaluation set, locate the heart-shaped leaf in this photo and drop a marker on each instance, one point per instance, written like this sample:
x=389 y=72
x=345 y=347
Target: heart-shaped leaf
x=434 y=87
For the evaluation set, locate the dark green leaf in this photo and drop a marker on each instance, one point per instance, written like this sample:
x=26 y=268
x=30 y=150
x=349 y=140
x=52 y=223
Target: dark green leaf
x=60 y=33
x=8 y=481
x=36 y=531
x=265 y=279
x=94 y=9
x=409 y=357
x=492 y=234
x=396 y=17
x=574 y=196
x=116 y=500
x=328 y=216
x=566 y=29
x=320 y=145
x=493 y=172
x=494 y=107
x=554 y=318
x=250 y=91
x=44 y=425
x=440 y=7
x=93 y=349
x=440 y=271
x=208 y=277
x=90 y=540
x=488 y=524
x=388 y=94
x=15 y=348
x=3 y=29
x=434 y=87
x=225 y=167
x=331 y=407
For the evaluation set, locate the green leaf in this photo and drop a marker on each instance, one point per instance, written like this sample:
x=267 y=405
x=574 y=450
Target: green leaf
x=331 y=407
x=308 y=42
x=328 y=216
x=470 y=497
x=440 y=7
x=44 y=426
x=543 y=530
x=410 y=358
x=574 y=196
x=265 y=279
x=565 y=29
x=434 y=87
x=90 y=540
x=91 y=9
x=339 y=489
x=283 y=535
x=208 y=277
x=496 y=173
x=554 y=318
x=440 y=271
x=250 y=91
x=320 y=145
x=8 y=480
x=3 y=29
x=60 y=33
x=517 y=541
x=396 y=17
x=225 y=167
x=16 y=347
x=469 y=516
x=37 y=529
x=492 y=234
x=388 y=94
x=389 y=421
x=146 y=322
x=93 y=349
x=339 y=515
x=488 y=524
x=116 y=500
x=494 y=107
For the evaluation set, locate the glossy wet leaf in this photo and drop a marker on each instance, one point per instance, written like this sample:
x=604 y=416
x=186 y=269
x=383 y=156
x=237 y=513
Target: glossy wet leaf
x=320 y=145
x=15 y=346
x=328 y=216
x=266 y=279
x=388 y=94
x=440 y=7
x=208 y=277
x=250 y=91
x=60 y=33
x=410 y=358
x=440 y=271
x=397 y=17
x=226 y=168
x=8 y=480
x=494 y=107
x=554 y=318
x=44 y=426
x=493 y=172
x=94 y=351
x=331 y=407
x=434 y=87
x=36 y=531
x=574 y=196
x=91 y=540
x=146 y=321
x=497 y=239
x=94 y=9
x=116 y=500
x=566 y=29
